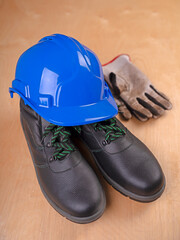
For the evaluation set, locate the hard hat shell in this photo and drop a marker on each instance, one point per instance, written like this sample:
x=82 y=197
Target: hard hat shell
x=62 y=80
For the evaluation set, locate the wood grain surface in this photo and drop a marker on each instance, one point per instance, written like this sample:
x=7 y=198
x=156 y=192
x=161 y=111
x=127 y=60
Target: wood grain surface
x=149 y=32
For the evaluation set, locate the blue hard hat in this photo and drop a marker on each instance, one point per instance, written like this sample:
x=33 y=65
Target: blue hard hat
x=62 y=80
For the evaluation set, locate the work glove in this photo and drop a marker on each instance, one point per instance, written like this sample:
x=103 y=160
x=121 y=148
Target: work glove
x=133 y=91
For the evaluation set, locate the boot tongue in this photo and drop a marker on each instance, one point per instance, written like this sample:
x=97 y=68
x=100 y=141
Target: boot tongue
x=106 y=122
x=45 y=124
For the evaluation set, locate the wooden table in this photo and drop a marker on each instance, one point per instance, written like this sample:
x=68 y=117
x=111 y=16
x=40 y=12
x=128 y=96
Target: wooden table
x=149 y=32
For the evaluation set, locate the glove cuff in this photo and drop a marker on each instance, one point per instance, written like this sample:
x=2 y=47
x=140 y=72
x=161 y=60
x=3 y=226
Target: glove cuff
x=116 y=58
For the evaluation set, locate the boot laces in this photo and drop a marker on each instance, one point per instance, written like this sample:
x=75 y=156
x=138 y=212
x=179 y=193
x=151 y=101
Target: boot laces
x=112 y=131
x=60 y=140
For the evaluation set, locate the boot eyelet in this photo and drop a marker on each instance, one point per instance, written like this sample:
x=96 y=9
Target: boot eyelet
x=108 y=142
x=48 y=144
x=104 y=143
x=51 y=159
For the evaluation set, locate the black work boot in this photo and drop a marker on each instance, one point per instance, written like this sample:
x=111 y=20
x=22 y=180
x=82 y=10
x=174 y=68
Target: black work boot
x=125 y=162
x=66 y=180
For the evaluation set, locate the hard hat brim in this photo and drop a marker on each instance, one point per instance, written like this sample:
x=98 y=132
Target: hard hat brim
x=75 y=115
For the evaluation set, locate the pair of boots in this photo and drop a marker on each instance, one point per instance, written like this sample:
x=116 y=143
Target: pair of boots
x=66 y=179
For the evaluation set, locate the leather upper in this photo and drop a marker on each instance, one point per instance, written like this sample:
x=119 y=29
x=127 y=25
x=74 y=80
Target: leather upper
x=127 y=161
x=70 y=183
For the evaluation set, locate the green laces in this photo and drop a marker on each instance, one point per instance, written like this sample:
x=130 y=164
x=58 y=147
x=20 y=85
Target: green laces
x=112 y=131
x=60 y=141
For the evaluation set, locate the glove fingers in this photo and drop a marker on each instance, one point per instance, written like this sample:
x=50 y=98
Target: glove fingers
x=135 y=106
x=123 y=110
x=140 y=116
x=159 y=99
x=160 y=93
x=126 y=113
x=151 y=106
